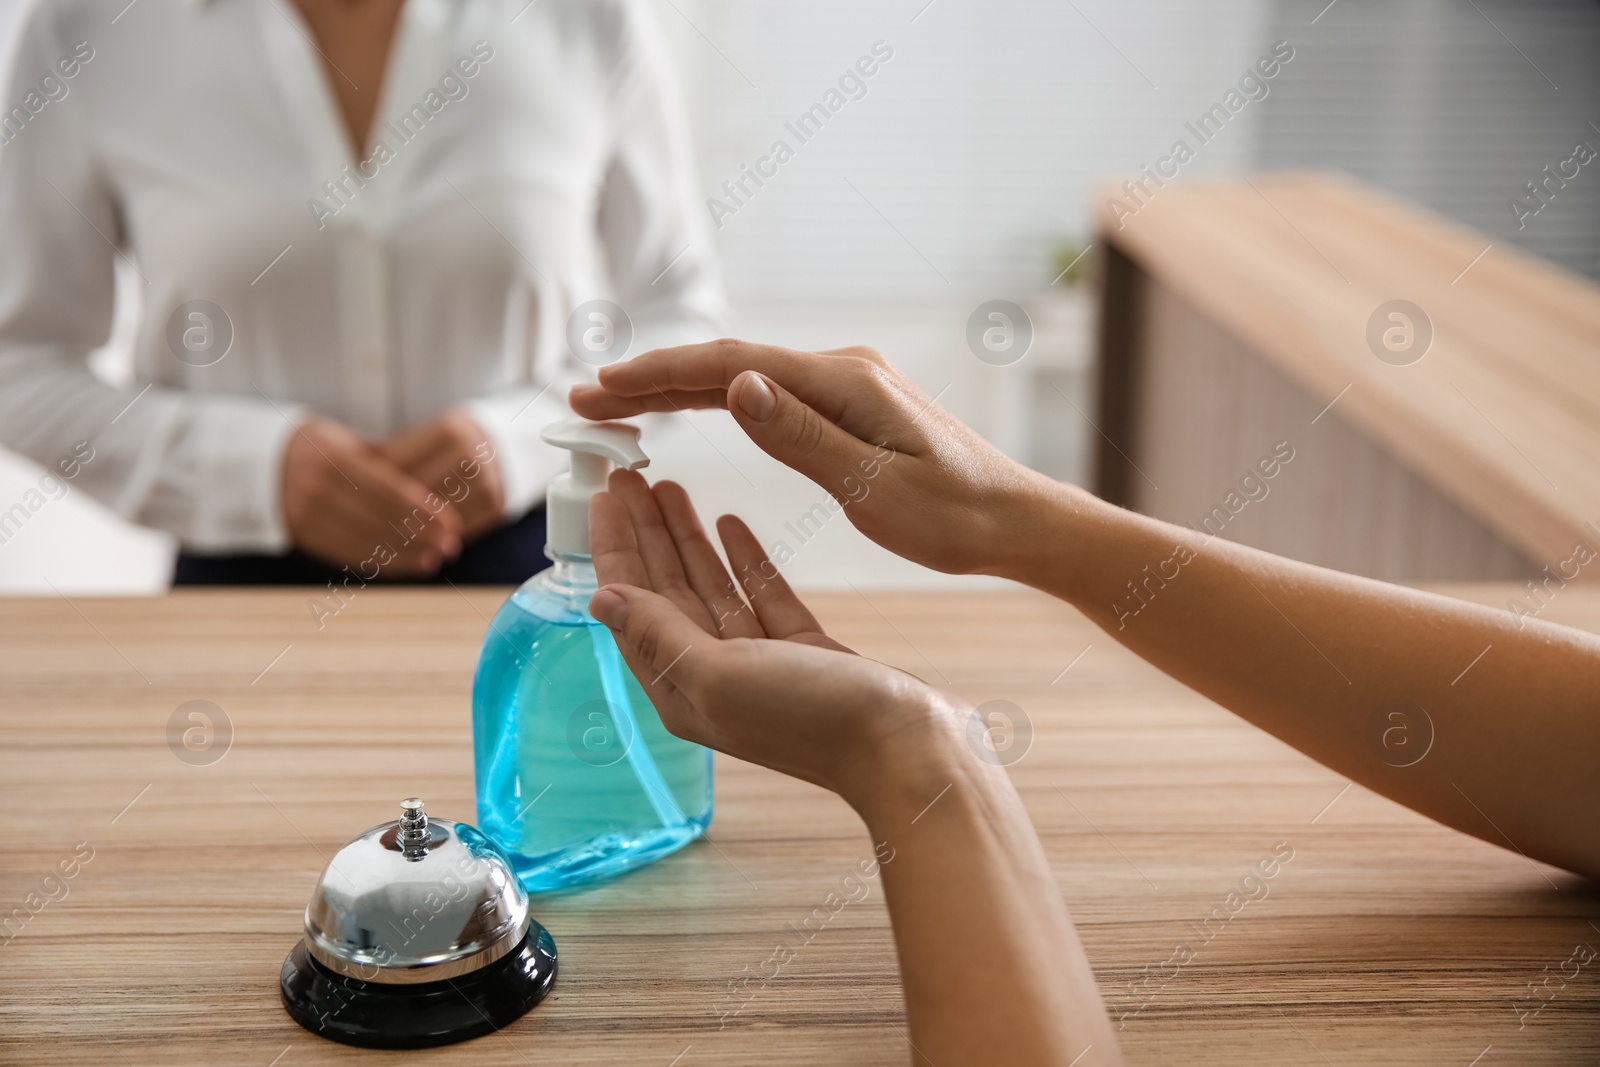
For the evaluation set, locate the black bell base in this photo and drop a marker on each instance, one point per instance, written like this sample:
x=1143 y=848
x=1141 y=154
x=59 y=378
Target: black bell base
x=381 y=1015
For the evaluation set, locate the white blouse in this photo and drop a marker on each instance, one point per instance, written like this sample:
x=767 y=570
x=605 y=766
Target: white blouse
x=527 y=158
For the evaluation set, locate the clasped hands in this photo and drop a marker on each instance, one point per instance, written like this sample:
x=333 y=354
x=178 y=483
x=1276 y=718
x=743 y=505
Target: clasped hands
x=424 y=492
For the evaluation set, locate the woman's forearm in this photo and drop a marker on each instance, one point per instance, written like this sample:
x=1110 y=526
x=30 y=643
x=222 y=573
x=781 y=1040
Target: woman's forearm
x=1483 y=721
x=992 y=968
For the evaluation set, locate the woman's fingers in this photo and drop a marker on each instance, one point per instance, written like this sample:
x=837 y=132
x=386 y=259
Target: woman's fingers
x=594 y=402
x=668 y=652
x=796 y=435
x=780 y=612
x=707 y=576
x=829 y=415
x=827 y=381
x=612 y=543
x=392 y=508
x=657 y=548
x=710 y=365
x=653 y=539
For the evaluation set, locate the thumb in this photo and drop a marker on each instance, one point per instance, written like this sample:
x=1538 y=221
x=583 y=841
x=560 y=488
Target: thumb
x=792 y=432
x=662 y=645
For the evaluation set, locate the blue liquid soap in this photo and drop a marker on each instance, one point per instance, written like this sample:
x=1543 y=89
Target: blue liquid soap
x=577 y=778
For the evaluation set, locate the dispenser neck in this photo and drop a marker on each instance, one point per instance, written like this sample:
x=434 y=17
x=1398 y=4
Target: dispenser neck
x=589 y=471
x=572 y=574
x=566 y=513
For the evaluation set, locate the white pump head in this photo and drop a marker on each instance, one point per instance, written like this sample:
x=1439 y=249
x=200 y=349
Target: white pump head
x=595 y=446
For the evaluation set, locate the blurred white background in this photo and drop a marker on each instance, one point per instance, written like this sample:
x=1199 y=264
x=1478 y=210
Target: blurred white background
x=972 y=158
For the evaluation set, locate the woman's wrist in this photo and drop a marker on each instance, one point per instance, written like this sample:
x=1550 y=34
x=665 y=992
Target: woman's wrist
x=911 y=763
x=1041 y=534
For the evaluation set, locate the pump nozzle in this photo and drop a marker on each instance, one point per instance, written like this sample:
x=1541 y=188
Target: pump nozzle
x=595 y=446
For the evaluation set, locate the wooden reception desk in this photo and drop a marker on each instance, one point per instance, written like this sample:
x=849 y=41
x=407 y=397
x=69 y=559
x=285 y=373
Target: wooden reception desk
x=1238 y=318
x=1386 y=939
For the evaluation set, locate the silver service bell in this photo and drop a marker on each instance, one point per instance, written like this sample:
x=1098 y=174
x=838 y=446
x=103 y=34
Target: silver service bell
x=417 y=934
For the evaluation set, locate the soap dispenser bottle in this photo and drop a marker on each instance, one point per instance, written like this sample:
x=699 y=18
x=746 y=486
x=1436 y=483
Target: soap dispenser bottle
x=577 y=779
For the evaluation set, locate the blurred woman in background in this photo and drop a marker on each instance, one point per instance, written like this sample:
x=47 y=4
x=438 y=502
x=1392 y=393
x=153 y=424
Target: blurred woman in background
x=358 y=230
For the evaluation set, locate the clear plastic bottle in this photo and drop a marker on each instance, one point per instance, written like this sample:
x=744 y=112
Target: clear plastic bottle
x=577 y=779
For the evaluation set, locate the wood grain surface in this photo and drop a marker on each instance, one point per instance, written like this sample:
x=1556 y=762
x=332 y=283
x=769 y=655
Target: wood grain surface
x=1502 y=413
x=1385 y=940
x=1210 y=407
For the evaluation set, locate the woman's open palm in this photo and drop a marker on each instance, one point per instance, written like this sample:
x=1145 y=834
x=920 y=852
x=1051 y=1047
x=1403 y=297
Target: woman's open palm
x=756 y=679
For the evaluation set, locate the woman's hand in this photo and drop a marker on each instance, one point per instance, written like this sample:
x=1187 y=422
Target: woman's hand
x=452 y=455
x=952 y=842
x=912 y=477
x=759 y=681
x=342 y=499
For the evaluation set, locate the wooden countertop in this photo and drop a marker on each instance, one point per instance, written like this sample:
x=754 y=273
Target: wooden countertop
x=1503 y=412
x=1386 y=939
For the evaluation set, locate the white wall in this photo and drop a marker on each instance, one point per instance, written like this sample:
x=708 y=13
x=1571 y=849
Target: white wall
x=980 y=141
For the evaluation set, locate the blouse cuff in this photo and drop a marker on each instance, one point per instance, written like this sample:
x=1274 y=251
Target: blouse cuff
x=513 y=421
x=236 y=449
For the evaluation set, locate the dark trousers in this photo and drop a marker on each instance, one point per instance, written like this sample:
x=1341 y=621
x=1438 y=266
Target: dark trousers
x=506 y=556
